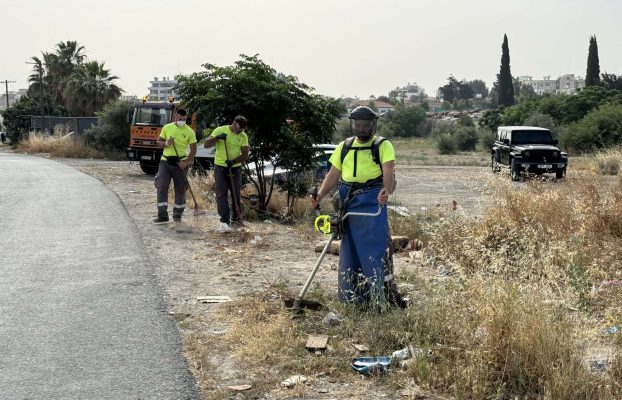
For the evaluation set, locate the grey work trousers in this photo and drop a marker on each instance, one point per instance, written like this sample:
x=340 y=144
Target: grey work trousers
x=228 y=183
x=167 y=171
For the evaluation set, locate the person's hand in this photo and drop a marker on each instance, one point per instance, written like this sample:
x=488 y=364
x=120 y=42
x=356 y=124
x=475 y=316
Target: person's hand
x=183 y=164
x=170 y=141
x=315 y=199
x=383 y=197
x=229 y=162
x=222 y=136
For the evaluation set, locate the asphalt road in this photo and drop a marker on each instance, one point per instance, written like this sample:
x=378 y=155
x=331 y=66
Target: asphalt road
x=81 y=313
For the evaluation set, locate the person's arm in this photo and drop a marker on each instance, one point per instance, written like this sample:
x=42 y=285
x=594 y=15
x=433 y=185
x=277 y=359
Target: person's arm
x=328 y=184
x=243 y=156
x=388 y=169
x=183 y=164
x=210 y=142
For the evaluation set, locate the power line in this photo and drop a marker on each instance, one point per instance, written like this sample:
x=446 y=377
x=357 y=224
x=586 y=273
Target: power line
x=6 y=85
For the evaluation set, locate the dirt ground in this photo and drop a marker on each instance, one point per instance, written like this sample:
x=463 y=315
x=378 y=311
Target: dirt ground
x=192 y=260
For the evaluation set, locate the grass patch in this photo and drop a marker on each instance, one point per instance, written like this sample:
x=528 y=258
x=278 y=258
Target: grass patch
x=519 y=316
x=63 y=143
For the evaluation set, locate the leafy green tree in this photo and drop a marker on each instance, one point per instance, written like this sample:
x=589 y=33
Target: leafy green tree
x=523 y=91
x=491 y=120
x=504 y=77
x=592 y=75
x=112 y=131
x=90 y=87
x=269 y=100
x=611 y=81
x=601 y=128
x=478 y=86
x=455 y=90
x=17 y=117
x=403 y=121
x=57 y=68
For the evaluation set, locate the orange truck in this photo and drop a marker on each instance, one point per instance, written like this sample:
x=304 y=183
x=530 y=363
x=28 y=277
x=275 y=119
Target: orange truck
x=146 y=122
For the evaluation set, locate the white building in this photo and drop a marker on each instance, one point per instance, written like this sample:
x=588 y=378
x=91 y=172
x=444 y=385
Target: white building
x=161 y=89
x=566 y=84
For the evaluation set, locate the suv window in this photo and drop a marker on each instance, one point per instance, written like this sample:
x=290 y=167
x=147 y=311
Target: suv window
x=531 y=137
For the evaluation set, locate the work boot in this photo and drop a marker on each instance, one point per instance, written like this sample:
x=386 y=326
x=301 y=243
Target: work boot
x=178 y=212
x=160 y=220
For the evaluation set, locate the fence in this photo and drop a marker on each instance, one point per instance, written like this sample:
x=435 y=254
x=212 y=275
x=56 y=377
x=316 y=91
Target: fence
x=76 y=124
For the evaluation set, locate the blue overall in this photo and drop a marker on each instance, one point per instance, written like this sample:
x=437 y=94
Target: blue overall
x=363 y=251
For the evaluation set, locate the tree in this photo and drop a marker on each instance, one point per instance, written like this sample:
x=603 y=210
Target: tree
x=504 y=77
x=455 y=90
x=112 y=130
x=285 y=117
x=59 y=66
x=478 y=86
x=592 y=75
x=403 y=121
x=523 y=91
x=611 y=81
x=90 y=87
x=17 y=117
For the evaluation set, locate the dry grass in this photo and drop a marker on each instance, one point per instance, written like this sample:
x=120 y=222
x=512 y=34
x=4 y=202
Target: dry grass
x=62 y=143
x=517 y=318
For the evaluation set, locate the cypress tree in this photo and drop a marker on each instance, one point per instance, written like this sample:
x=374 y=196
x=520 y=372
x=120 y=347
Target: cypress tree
x=504 y=77
x=592 y=75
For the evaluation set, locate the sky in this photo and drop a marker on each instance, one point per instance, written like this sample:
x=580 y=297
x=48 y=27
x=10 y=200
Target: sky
x=341 y=48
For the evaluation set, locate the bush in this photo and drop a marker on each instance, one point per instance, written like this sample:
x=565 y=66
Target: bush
x=486 y=139
x=599 y=129
x=446 y=144
x=466 y=138
x=112 y=130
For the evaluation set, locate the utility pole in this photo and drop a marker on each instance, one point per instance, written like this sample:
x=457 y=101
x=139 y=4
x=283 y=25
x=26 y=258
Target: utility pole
x=6 y=85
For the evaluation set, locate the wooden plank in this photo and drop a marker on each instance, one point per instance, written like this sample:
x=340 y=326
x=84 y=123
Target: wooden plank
x=360 y=347
x=317 y=342
x=213 y=299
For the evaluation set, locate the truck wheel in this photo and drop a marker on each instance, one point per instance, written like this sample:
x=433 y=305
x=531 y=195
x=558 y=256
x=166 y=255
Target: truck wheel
x=494 y=165
x=514 y=171
x=560 y=173
x=149 y=169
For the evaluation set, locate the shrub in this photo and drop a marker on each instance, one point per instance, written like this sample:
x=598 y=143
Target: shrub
x=466 y=138
x=446 y=144
x=599 y=129
x=112 y=130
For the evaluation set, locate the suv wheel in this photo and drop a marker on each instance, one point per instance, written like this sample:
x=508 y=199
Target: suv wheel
x=514 y=171
x=494 y=165
x=560 y=174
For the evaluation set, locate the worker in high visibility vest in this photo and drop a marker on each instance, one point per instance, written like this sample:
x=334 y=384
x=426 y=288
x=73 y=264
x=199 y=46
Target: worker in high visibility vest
x=364 y=168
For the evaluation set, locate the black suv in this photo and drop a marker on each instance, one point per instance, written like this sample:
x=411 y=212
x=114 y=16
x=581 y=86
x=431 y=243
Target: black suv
x=527 y=149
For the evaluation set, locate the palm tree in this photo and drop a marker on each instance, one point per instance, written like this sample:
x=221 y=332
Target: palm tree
x=89 y=88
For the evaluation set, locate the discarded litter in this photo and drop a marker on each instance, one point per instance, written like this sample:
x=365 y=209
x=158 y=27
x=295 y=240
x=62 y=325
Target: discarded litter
x=294 y=380
x=400 y=210
x=371 y=365
x=239 y=388
x=360 y=347
x=331 y=319
x=611 y=330
x=213 y=299
x=317 y=343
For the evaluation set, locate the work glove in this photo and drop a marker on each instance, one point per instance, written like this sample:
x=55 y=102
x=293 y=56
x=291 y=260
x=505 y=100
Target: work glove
x=222 y=136
x=229 y=163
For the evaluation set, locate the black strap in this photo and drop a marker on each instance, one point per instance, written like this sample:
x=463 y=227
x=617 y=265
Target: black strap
x=375 y=151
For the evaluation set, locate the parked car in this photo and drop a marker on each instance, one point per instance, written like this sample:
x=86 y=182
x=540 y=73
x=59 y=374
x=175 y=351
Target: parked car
x=322 y=166
x=527 y=149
